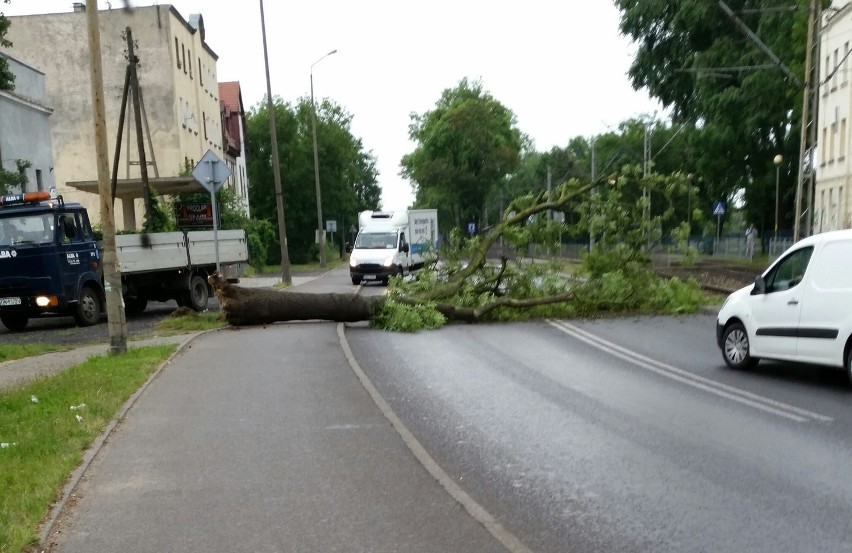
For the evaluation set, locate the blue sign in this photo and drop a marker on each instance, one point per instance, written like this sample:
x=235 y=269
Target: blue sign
x=471 y=228
x=718 y=209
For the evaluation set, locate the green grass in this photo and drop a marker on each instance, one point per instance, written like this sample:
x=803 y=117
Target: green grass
x=331 y=263
x=193 y=322
x=13 y=351
x=46 y=441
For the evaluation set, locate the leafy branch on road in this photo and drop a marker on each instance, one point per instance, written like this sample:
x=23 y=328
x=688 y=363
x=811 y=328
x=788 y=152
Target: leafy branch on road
x=615 y=276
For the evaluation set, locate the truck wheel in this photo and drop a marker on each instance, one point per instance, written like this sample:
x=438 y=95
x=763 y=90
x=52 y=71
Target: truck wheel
x=88 y=311
x=15 y=323
x=197 y=296
x=135 y=305
x=736 y=349
x=356 y=280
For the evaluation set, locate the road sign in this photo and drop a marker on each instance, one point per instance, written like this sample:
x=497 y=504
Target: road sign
x=211 y=172
x=718 y=209
x=331 y=225
x=471 y=228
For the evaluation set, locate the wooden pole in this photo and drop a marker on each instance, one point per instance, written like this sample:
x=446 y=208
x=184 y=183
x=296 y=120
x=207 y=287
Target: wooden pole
x=140 y=144
x=276 y=169
x=112 y=276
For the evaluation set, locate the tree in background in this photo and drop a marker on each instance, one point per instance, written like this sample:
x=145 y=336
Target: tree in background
x=696 y=61
x=348 y=174
x=465 y=148
x=7 y=79
x=14 y=179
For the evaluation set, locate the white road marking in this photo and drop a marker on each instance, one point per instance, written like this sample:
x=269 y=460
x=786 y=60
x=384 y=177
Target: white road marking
x=711 y=386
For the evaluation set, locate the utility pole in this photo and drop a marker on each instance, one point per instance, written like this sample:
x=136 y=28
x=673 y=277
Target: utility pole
x=112 y=277
x=803 y=140
x=137 y=115
x=276 y=169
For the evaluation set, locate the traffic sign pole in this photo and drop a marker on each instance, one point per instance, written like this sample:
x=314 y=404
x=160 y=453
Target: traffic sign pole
x=211 y=172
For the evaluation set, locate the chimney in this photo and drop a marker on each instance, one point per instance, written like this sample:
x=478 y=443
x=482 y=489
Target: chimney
x=79 y=7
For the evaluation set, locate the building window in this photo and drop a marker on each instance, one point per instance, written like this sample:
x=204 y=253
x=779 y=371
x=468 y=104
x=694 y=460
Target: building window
x=200 y=74
x=177 y=56
x=183 y=56
x=204 y=118
x=834 y=73
x=822 y=150
x=190 y=67
x=844 y=74
x=831 y=143
x=842 y=153
x=39 y=181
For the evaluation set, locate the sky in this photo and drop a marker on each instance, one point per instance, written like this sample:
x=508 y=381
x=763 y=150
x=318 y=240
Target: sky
x=560 y=66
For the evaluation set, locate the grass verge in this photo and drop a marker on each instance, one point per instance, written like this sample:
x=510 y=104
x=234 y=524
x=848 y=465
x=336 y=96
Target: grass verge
x=193 y=322
x=14 y=351
x=45 y=440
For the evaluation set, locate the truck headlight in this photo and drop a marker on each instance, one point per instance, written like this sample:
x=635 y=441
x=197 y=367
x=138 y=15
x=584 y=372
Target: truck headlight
x=353 y=262
x=46 y=301
x=388 y=262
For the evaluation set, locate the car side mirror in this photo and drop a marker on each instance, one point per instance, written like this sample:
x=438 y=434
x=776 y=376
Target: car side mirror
x=759 y=286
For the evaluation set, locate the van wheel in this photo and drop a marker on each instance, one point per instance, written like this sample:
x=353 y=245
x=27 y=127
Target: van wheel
x=15 y=323
x=356 y=280
x=848 y=363
x=197 y=296
x=735 y=348
x=88 y=310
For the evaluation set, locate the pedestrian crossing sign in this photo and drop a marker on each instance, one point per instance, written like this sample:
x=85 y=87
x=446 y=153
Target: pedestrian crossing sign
x=718 y=209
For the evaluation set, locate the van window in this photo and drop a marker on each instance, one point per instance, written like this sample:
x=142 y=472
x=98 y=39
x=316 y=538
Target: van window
x=833 y=269
x=789 y=271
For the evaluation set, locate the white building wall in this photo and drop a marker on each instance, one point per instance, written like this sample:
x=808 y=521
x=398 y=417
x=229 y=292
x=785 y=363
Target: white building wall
x=25 y=128
x=834 y=162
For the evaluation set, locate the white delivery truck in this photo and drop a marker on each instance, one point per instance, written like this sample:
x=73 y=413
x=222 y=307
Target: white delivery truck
x=392 y=242
x=799 y=309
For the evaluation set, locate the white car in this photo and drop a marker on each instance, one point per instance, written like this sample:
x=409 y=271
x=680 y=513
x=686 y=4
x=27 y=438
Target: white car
x=799 y=309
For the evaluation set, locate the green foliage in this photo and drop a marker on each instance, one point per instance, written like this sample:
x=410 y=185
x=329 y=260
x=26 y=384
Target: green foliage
x=15 y=351
x=161 y=218
x=193 y=322
x=14 y=179
x=466 y=145
x=348 y=174
x=686 y=54
x=7 y=79
x=262 y=234
x=398 y=317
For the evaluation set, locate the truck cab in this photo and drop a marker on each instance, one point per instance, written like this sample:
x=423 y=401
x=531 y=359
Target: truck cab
x=49 y=261
x=379 y=254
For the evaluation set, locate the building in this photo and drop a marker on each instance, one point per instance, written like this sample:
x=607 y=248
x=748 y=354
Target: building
x=25 y=128
x=234 y=138
x=832 y=206
x=179 y=89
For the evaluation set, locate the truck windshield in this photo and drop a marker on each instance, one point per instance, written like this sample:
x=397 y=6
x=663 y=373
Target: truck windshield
x=376 y=241
x=27 y=229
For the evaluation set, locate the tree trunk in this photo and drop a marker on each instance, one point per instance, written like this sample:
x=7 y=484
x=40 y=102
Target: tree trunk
x=252 y=306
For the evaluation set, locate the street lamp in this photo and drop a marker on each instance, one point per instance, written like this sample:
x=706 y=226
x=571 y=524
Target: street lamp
x=316 y=165
x=777 y=161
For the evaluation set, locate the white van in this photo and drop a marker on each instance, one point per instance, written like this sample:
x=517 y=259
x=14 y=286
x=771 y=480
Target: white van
x=389 y=243
x=800 y=309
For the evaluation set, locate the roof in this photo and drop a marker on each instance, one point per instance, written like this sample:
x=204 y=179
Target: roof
x=132 y=188
x=230 y=96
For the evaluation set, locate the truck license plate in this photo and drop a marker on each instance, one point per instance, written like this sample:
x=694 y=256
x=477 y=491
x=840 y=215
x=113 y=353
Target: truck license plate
x=369 y=277
x=10 y=301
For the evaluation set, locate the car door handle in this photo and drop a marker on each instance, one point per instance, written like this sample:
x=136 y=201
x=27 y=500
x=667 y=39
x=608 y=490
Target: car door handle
x=793 y=301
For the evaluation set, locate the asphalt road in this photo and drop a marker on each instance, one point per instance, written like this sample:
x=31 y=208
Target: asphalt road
x=645 y=442
x=581 y=436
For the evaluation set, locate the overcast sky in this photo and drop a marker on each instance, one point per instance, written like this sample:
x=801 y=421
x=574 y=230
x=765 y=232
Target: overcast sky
x=560 y=66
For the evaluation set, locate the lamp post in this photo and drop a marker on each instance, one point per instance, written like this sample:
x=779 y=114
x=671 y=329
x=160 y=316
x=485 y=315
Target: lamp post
x=316 y=165
x=777 y=161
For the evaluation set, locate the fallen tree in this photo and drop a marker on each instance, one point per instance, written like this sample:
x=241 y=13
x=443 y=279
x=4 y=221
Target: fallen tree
x=466 y=287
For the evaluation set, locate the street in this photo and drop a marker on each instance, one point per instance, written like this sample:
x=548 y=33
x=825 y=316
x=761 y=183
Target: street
x=609 y=435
